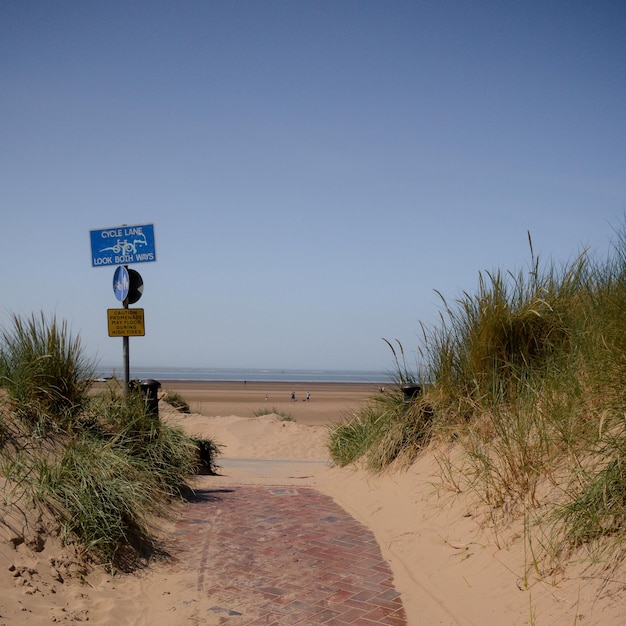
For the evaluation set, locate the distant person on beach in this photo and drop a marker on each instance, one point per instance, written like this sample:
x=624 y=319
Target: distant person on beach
x=293 y=396
x=266 y=396
x=308 y=396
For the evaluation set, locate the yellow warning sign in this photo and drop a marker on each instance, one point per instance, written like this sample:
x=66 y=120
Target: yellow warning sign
x=126 y=323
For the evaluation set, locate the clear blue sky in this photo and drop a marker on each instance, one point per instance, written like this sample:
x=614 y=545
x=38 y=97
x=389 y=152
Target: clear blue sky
x=313 y=170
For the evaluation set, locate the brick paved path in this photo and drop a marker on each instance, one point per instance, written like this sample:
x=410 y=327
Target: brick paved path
x=274 y=556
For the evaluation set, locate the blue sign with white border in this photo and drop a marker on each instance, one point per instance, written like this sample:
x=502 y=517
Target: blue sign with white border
x=122 y=245
x=121 y=283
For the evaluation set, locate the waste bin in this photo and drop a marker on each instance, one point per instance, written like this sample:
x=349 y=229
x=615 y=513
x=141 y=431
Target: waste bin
x=149 y=390
x=411 y=391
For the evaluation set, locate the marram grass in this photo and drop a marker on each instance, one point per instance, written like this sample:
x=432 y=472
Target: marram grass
x=104 y=467
x=43 y=369
x=523 y=380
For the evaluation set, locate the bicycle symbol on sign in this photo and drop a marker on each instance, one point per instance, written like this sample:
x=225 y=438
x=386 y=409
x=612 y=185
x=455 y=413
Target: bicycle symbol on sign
x=126 y=247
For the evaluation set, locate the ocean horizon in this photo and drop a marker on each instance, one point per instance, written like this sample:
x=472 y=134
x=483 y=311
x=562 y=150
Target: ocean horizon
x=248 y=374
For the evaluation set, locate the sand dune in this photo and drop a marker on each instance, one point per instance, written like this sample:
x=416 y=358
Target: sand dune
x=449 y=567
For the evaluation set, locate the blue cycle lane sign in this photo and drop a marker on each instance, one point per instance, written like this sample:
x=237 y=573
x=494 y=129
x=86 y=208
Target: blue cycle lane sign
x=122 y=245
x=121 y=283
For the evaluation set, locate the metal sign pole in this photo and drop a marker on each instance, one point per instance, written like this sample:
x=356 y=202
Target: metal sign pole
x=125 y=352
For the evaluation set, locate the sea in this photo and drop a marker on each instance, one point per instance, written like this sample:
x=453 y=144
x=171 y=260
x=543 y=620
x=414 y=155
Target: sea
x=240 y=374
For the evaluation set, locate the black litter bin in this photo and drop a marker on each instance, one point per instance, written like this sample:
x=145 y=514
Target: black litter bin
x=411 y=391
x=149 y=390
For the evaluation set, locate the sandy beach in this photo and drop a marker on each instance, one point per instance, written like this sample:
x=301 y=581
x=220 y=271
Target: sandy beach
x=328 y=403
x=450 y=568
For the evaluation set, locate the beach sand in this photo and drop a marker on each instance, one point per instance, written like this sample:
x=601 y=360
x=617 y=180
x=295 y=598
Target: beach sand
x=449 y=567
x=329 y=401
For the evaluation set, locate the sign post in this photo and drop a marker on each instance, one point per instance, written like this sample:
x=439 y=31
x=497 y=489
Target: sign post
x=122 y=245
x=121 y=285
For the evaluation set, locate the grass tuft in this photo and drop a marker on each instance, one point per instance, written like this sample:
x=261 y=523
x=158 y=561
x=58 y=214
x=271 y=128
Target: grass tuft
x=103 y=466
x=386 y=430
x=44 y=370
x=284 y=416
x=523 y=379
x=174 y=399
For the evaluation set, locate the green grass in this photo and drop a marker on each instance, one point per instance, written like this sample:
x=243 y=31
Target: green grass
x=523 y=381
x=44 y=370
x=173 y=398
x=284 y=416
x=104 y=467
x=105 y=497
x=597 y=510
x=386 y=430
x=208 y=451
x=107 y=482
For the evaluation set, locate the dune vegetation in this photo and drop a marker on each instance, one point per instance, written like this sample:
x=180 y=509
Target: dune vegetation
x=522 y=400
x=101 y=467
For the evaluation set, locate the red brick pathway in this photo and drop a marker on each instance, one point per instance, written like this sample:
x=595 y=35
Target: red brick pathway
x=285 y=555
